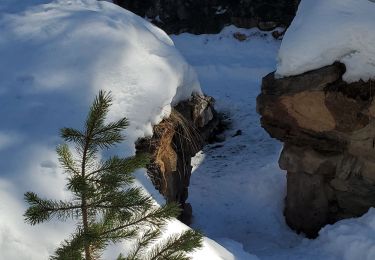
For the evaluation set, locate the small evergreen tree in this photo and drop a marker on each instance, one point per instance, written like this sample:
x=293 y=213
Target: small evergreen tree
x=105 y=204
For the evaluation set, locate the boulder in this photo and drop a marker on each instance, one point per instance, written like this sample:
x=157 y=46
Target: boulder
x=175 y=141
x=328 y=130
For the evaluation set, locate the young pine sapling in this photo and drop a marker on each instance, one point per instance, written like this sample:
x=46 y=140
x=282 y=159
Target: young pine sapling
x=105 y=204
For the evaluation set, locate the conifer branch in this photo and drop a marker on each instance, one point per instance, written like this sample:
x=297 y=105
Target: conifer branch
x=120 y=169
x=147 y=238
x=175 y=247
x=156 y=217
x=107 y=208
x=41 y=210
x=114 y=127
x=130 y=200
x=72 y=135
x=70 y=249
x=66 y=159
x=98 y=111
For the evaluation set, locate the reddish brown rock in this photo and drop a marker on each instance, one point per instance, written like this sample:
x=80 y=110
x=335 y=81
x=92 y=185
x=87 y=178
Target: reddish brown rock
x=328 y=130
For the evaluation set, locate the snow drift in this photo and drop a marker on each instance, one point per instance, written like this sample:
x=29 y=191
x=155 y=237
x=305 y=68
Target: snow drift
x=66 y=51
x=349 y=239
x=327 y=31
x=55 y=57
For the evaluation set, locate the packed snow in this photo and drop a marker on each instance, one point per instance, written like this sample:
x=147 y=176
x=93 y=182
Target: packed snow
x=327 y=31
x=237 y=190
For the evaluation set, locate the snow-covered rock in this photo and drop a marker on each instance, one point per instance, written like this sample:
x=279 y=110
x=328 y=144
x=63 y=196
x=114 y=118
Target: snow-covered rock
x=68 y=50
x=327 y=31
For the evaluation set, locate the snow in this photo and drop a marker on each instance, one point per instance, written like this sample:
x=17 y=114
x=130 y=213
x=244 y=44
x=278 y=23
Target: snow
x=327 y=31
x=75 y=48
x=349 y=239
x=237 y=190
x=56 y=56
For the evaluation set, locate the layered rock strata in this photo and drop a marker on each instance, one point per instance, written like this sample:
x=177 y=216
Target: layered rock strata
x=174 y=142
x=328 y=130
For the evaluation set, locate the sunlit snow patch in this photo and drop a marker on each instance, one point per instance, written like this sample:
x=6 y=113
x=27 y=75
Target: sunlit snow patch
x=327 y=31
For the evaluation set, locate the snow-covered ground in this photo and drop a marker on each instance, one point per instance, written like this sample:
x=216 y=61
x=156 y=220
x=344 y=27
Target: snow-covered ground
x=55 y=57
x=237 y=189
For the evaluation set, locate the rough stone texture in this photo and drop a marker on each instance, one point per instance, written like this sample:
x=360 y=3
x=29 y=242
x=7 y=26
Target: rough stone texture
x=328 y=130
x=210 y=16
x=175 y=141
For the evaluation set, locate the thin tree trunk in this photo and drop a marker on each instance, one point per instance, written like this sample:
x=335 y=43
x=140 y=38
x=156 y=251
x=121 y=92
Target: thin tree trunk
x=84 y=202
x=85 y=228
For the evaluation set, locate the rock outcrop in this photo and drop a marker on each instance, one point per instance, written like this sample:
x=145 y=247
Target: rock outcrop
x=328 y=130
x=207 y=16
x=175 y=141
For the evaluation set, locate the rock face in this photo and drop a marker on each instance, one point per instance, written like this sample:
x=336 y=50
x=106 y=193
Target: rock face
x=328 y=130
x=210 y=16
x=175 y=141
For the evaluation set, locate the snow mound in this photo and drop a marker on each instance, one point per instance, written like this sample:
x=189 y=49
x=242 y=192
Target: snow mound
x=64 y=52
x=55 y=57
x=327 y=31
x=348 y=239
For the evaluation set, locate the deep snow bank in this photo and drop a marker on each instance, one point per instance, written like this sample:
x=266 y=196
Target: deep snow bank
x=54 y=59
x=349 y=239
x=327 y=31
x=71 y=49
